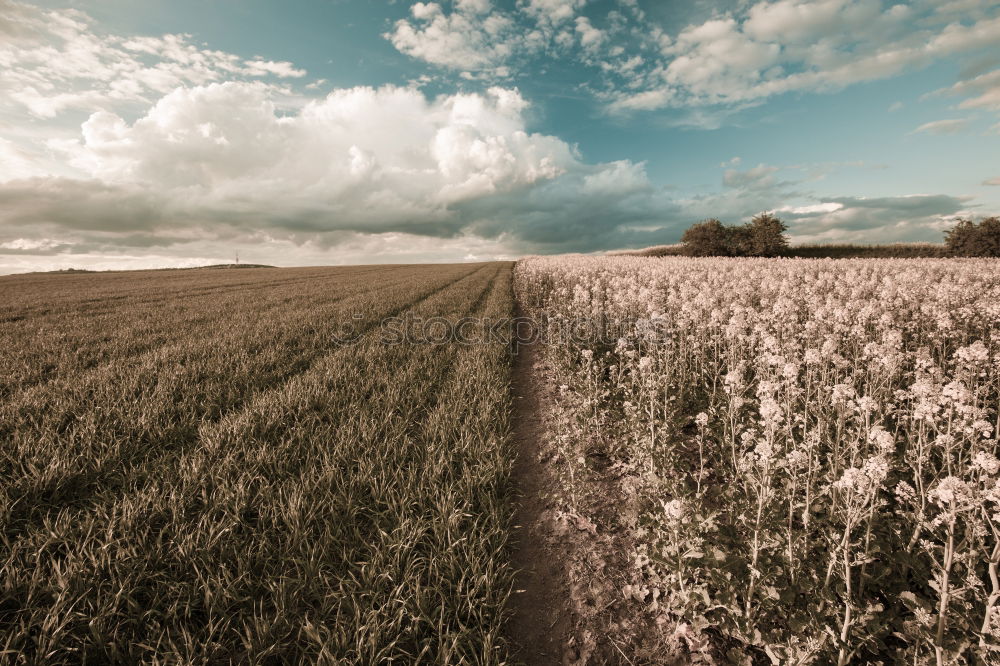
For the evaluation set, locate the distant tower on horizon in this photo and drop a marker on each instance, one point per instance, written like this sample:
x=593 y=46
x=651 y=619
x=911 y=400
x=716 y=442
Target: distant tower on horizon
x=237 y=257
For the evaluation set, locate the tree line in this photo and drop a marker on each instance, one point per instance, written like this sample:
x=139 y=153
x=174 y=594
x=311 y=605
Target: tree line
x=764 y=236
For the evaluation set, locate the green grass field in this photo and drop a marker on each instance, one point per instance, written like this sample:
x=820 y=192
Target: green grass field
x=194 y=470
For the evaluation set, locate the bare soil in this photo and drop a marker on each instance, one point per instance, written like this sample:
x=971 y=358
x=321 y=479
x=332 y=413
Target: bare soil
x=540 y=624
x=569 y=606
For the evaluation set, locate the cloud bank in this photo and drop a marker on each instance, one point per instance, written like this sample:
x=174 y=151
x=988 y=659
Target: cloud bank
x=115 y=148
x=224 y=160
x=875 y=220
x=369 y=173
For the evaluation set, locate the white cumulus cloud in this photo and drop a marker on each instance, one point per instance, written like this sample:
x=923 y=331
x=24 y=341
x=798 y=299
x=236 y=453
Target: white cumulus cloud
x=54 y=60
x=224 y=159
x=468 y=38
x=733 y=58
x=476 y=36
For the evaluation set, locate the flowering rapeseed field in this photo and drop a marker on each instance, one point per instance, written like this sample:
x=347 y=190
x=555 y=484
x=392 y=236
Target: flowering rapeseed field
x=810 y=445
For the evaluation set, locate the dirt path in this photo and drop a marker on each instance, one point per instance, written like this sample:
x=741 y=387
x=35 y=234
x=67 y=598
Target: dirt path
x=540 y=624
x=568 y=607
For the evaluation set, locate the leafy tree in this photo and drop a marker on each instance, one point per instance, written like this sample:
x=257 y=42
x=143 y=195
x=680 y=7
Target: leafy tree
x=989 y=236
x=968 y=239
x=766 y=236
x=739 y=240
x=962 y=237
x=708 y=238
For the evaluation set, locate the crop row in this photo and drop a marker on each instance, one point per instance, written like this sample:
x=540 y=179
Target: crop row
x=266 y=494
x=59 y=326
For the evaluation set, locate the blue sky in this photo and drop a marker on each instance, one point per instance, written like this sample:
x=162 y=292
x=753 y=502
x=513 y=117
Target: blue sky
x=176 y=133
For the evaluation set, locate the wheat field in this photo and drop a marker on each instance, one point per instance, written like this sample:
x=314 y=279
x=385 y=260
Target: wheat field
x=196 y=469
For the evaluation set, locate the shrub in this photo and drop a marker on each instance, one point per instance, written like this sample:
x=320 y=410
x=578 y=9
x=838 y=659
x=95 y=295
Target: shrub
x=854 y=251
x=968 y=239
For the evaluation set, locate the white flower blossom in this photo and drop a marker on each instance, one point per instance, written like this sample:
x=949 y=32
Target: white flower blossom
x=986 y=462
x=950 y=491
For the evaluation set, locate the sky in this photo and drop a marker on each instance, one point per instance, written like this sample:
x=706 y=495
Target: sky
x=182 y=132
